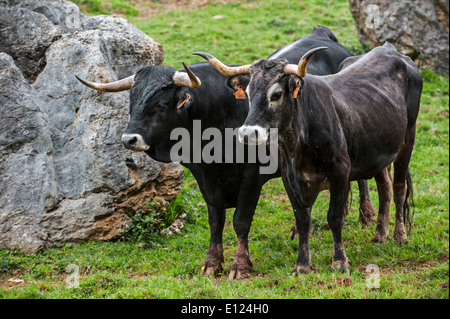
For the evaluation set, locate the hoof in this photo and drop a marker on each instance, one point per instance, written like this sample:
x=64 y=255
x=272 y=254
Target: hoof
x=400 y=240
x=379 y=238
x=211 y=270
x=301 y=269
x=341 y=266
x=381 y=234
x=400 y=235
x=237 y=273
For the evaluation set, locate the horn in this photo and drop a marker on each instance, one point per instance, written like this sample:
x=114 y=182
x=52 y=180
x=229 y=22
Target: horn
x=116 y=86
x=188 y=79
x=222 y=68
x=300 y=69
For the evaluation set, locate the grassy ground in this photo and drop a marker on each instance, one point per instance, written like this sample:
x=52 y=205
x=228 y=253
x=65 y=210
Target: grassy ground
x=167 y=267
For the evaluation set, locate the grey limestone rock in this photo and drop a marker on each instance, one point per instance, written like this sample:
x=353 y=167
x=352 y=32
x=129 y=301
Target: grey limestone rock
x=65 y=176
x=417 y=28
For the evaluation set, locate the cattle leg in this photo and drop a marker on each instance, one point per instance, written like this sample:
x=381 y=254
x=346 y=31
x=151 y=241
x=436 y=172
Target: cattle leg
x=303 y=220
x=294 y=231
x=401 y=164
x=339 y=188
x=384 y=185
x=242 y=220
x=366 y=210
x=214 y=257
x=399 y=200
x=302 y=210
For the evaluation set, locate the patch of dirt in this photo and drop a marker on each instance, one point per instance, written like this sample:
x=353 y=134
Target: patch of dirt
x=406 y=267
x=12 y=283
x=346 y=281
x=443 y=285
x=443 y=114
x=146 y=10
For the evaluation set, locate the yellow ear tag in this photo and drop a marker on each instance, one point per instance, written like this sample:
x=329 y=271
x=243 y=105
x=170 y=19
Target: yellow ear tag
x=294 y=95
x=239 y=94
x=185 y=100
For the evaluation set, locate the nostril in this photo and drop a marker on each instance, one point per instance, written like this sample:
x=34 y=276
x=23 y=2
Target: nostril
x=129 y=141
x=132 y=141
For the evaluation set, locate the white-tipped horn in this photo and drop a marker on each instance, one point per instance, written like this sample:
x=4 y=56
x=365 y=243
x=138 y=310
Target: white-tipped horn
x=116 y=86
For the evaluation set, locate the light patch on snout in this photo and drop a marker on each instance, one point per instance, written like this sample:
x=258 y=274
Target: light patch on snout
x=274 y=89
x=134 y=142
x=252 y=134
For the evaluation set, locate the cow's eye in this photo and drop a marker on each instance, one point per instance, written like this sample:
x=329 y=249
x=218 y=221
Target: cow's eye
x=276 y=96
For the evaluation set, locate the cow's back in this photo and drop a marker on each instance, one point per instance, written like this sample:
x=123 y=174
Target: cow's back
x=323 y=62
x=376 y=97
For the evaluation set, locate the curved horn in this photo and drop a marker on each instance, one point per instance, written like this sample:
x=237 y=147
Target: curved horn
x=222 y=68
x=300 y=69
x=188 y=79
x=116 y=86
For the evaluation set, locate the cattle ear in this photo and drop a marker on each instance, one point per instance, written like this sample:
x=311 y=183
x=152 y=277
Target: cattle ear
x=238 y=83
x=184 y=99
x=295 y=85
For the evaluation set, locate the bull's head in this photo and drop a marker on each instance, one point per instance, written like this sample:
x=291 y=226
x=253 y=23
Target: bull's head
x=273 y=87
x=159 y=95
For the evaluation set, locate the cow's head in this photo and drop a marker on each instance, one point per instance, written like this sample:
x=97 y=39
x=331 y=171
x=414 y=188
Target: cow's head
x=273 y=87
x=159 y=97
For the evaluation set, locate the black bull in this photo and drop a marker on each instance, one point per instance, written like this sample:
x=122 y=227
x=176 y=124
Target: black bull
x=337 y=128
x=162 y=99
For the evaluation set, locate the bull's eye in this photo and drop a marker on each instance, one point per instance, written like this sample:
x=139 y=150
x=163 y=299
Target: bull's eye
x=276 y=96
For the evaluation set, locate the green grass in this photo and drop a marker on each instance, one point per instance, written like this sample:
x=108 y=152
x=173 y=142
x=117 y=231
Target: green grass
x=167 y=267
x=249 y=30
x=96 y=7
x=246 y=30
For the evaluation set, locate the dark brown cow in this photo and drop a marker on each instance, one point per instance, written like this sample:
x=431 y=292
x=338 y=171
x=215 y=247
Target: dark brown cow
x=337 y=128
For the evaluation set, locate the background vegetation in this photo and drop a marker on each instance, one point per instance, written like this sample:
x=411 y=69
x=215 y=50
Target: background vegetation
x=146 y=264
